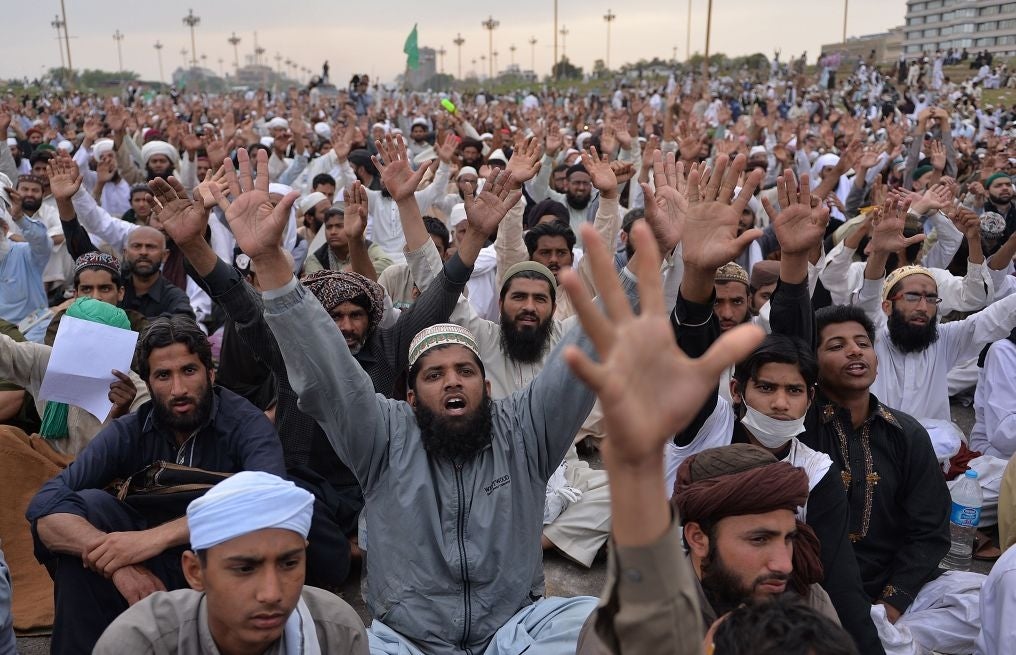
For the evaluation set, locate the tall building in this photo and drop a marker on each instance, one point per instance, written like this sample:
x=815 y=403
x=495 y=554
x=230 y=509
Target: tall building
x=427 y=69
x=972 y=24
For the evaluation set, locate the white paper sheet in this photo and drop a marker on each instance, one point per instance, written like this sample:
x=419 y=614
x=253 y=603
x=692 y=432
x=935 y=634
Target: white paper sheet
x=79 y=371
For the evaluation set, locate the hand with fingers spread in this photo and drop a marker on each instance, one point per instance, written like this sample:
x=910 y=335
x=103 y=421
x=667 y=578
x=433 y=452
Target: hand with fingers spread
x=666 y=210
x=887 y=227
x=446 y=150
x=554 y=141
x=104 y=171
x=64 y=177
x=183 y=219
x=934 y=198
x=600 y=173
x=484 y=212
x=392 y=162
x=799 y=225
x=204 y=190
x=525 y=162
x=937 y=156
x=355 y=212
x=711 y=236
x=648 y=388
x=623 y=171
x=257 y=226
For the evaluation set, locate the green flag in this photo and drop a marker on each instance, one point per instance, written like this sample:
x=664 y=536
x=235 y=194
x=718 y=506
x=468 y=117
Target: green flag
x=412 y=51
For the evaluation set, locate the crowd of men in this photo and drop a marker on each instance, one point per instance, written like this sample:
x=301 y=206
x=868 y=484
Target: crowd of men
x=386 y=330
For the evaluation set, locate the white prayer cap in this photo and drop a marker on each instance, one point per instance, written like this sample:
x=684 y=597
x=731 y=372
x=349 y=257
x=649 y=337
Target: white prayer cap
x=498 y=155
x=246 y=502
x=101 y=147
x=308 y=202
x=581 y=139
x=419 y=120
x=426 y=155
x=267 y=141
x=11 y=141
x=757 y=150
x=281 y=189
x=323 y=130
x=382 y=126
x=396 y=131
x=278 y=122
x=467 y=170
x=160 y=148
x=486 y=136
x=457 y=215
x=65 y=145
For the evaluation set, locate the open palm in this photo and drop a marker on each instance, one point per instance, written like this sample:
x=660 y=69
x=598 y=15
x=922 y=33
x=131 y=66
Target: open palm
x=485 y=211
x=396 y=173
x=799 y=227
x=182 y=218
x=257 y=226
x=710 y=230
x=647 y=387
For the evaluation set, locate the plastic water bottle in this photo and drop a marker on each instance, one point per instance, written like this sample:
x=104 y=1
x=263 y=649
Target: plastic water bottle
x=963 y=520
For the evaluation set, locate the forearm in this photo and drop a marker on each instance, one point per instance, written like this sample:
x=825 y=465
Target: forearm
x=471 y=245
x=874 y=268
x=200 y=256
x=411 y=219
x=1004 y=255
x=171 y=534
x=359 y=259
x=509 y=245
x=638 y=504
x=794 y=267
x=697 y=285
x=67 y=534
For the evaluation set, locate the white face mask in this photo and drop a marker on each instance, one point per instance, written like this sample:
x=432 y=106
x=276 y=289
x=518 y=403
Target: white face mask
x=771 y=432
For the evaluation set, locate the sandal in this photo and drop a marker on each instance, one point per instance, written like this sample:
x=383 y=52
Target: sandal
x=984 y=548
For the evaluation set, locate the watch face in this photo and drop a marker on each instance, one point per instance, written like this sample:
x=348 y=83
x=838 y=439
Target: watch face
x=992 y=225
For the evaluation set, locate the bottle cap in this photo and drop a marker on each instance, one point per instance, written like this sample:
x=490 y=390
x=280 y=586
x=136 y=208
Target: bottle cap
x=971 y=473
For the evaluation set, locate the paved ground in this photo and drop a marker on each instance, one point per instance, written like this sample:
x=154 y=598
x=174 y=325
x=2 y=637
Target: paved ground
x=563 y=577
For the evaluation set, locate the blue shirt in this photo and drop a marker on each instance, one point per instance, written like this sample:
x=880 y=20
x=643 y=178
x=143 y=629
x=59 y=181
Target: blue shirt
x=21 y=289
x=237 y=437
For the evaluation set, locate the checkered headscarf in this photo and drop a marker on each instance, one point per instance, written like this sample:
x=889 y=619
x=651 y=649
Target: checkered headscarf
x=333 y=288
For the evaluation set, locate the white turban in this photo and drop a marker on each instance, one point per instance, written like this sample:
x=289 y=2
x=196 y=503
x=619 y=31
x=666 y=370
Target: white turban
x=425 y=155
x=101 y=147
x=159 y=148
x=457 y=215
x=467 y=170
x=278 y=122
x=65 y=146
x=323 y=130
x=308 y=202
x=581 y=139
x=246 y=502
x=11 y=141
x=267 y=141
x=757 y=150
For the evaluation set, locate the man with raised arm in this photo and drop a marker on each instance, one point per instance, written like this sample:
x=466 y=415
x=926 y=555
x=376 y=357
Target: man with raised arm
x=454 y=482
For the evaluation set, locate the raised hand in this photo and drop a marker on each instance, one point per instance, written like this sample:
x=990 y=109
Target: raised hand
x=183 y=219
x=105 y=170
x=392 y=161
x=342 y=144
x=257 y=226
x=356 y=207
x=800 y=225
x=710 y=231
x=446 y=150
x=525 y=162
x=485 y=211
x=937 y=156
x=17 y=210
x=116 y=118
x=91 y=129
x=64 y=177
x=608 y=141
x=887 y=226
x=934 y=198
x=600 y=172
x=647 y=387
x=554 y=141
x=204 y=190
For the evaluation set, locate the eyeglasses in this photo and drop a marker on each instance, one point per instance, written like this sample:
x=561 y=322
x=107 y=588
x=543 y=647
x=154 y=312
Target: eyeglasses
x=930 y=298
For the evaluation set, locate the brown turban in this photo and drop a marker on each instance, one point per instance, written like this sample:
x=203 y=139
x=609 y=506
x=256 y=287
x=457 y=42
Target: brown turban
x=742 y=479
x=332 y=288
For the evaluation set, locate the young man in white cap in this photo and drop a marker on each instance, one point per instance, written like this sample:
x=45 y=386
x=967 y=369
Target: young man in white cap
x=246 y=567
x=471 y=473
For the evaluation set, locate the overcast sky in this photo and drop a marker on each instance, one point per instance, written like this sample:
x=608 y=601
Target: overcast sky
x=367 y=36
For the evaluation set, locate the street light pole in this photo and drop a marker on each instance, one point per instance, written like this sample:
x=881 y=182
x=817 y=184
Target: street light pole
x=490 y=25
x=192 y=21
x=555 y=68
x=511 y=48
x=564 y=41
x=441 y=53
x=235 y=41
x=687 y=39
x=458 y=44
x=532 y=53
x=58 y=24
x=709 y=26
x=118 y=37
x=609 y=18
x=67 y=40
x=845 y=3
x=158 y=51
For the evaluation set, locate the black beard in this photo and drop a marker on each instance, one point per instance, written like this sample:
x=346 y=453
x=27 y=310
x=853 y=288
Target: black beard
x=722 y=588
x=995 y=200
x=455 y=438
x=526 y=345
x=166 y=417
x=31 y=204
x=131 y=268
x=909 y=338
x=151 y=175
x=578 y=202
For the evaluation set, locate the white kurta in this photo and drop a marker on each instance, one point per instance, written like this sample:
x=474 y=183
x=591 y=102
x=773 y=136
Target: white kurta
x=998 y=608
x=994 y=431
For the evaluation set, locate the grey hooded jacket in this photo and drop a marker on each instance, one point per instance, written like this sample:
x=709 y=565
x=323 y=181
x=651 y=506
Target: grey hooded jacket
x=454 y=548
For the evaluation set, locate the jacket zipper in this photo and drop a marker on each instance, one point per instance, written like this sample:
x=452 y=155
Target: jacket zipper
x=463 y=569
